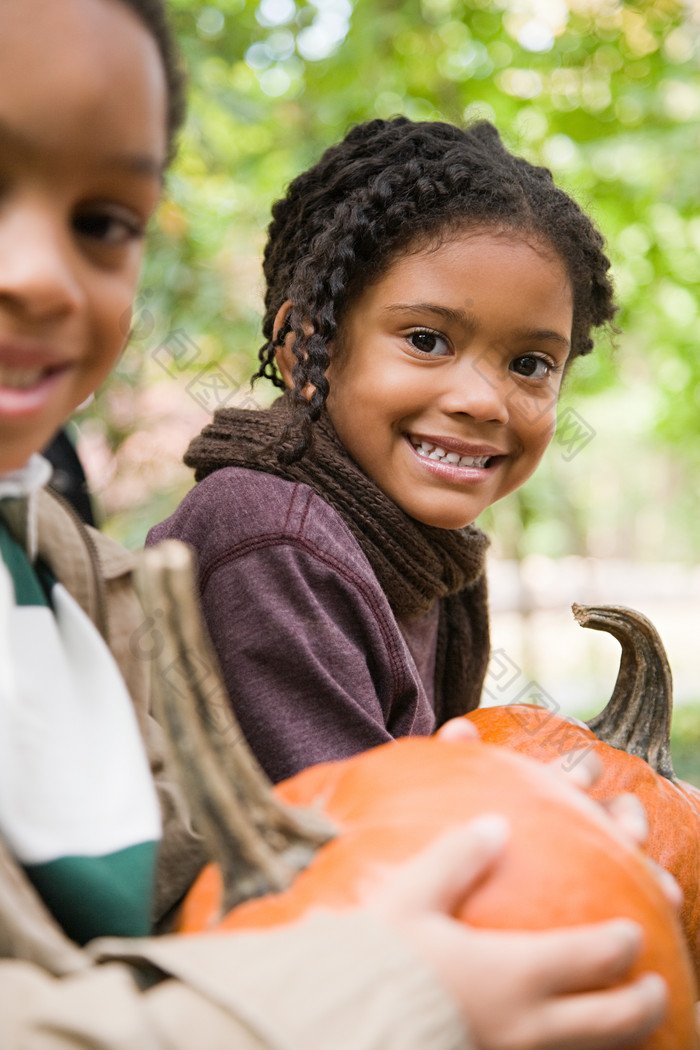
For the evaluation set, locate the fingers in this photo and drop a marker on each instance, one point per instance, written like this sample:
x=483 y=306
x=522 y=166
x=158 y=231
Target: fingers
x=604 y=1020
x=630 y=817
x=563 y=990
x=554 y=990
x=438 y=878
x=671 y=889
x=583 y=768
x=583 y=958
x=458 y=729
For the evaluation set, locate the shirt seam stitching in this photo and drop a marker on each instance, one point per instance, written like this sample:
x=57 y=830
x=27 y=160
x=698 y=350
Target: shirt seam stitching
x=253 y=544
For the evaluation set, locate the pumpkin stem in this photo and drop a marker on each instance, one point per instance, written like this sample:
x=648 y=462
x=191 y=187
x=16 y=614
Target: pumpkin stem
x=258 y=842
x=637 y=718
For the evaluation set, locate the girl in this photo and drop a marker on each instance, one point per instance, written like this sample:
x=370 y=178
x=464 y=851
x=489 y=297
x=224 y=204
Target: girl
x=90 y=97
x=426 y=291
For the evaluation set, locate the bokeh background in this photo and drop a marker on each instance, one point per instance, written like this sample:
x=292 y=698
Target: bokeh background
x=607 y=95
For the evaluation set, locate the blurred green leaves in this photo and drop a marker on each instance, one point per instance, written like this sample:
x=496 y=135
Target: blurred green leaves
x=605 y=93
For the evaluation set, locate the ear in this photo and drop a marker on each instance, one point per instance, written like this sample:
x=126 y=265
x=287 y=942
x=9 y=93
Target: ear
x=284 y=355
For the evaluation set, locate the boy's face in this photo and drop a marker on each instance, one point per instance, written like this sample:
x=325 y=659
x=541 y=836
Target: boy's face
x=445 y=383
x=82 y=148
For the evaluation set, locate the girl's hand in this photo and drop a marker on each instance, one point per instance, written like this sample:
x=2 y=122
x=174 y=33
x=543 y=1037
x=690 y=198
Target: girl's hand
x=625 y=811
x=458 y=729
x=555 y=990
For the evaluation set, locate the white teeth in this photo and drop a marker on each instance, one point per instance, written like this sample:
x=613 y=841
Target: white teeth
x=19 y=378
x=430 y=451
x=473 y=461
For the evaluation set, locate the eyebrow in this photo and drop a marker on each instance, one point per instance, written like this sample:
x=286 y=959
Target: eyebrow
x=134 y=162
x=138 y=163
x=466 y=321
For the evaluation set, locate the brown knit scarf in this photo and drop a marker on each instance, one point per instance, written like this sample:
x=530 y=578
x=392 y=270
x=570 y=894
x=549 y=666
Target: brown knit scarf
x=414 y=563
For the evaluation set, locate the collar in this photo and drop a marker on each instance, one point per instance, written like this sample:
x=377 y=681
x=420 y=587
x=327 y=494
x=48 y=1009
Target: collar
x=25 y=485
x=29 y=479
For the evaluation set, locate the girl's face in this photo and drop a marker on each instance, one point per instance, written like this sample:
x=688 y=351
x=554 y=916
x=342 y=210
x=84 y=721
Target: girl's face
x=82 y=149
x=445 y=387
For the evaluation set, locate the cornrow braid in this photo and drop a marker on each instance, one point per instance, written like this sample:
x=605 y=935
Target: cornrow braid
x=387 y=188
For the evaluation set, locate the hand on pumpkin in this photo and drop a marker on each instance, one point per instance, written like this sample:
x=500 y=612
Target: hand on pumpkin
x=557 y=990
x=626 y=811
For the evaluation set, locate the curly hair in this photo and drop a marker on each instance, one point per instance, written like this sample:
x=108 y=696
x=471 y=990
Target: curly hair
x=387 y=188
x=153 y=15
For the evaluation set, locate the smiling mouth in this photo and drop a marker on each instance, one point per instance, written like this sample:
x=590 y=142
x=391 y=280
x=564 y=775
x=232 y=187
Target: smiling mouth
x=429 y=450
x=12 y=378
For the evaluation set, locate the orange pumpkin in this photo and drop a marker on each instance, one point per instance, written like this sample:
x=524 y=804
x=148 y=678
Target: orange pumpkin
x=390 y=802
x=631 y=737
x=318 y=838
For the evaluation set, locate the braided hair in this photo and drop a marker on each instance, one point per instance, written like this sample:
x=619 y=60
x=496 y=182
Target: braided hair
x=389 y=187
x=153 y=15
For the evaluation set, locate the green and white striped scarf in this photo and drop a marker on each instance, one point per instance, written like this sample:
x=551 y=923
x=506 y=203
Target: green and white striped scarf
x=77 y=803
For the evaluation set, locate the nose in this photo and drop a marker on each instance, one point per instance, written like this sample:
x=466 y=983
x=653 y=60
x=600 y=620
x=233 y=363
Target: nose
x=476 y=386
x=38 y=277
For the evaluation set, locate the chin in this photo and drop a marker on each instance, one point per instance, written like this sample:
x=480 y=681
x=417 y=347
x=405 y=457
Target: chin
x=444 y=521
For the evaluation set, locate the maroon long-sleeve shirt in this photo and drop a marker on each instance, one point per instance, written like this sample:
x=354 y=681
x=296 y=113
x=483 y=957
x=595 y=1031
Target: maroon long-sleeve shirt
x=316 y=664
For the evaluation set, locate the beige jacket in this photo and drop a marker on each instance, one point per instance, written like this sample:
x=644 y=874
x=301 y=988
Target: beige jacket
x=341 y=982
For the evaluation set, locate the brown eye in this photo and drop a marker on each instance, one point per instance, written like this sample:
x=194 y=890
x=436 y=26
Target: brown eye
x=532 y=366
x=428 y=342
x=107 y=228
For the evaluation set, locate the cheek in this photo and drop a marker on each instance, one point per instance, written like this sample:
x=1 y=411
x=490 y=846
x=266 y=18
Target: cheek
x=537 y=431
x=113 y=316
x=550 y=426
